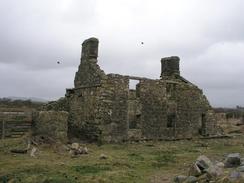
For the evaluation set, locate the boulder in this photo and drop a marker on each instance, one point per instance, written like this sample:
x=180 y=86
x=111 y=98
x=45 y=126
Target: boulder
x=242 y=161
x=75 y=146
x=224 y=180
x=191 y=179
x=203 y=178
x=103 y=156
x=234 y=176
x=232 y=160
x=203 y=163
x=180 y=179
x=85 y=150
x=214 y=172
x=77 y=150
x=220 y=164
x=33 y=152
x=194 y=171
x=240 y=169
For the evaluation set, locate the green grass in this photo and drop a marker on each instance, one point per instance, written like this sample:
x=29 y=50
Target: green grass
x=89 y=170
x=164 y=158
x=140 y=162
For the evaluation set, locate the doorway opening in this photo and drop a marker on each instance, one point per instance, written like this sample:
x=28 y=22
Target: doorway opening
x=171 y=120
x=203 y=130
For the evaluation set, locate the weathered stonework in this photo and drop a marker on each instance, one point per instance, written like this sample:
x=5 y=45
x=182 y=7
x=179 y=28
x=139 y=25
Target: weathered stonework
x=89 y=73
x=59 y=105
x=103 y=108
x=51 y=124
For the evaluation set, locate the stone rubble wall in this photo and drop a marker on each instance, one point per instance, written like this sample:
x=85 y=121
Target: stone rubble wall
x=82 y=119
x=100 y=113
x=113 y=107
x=152 y=97
x=160 y=98
x=59 y=105
x=53 y=124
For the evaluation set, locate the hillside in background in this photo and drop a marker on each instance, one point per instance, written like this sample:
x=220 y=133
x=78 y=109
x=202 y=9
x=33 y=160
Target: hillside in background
x=237 y=112
x=20 y=103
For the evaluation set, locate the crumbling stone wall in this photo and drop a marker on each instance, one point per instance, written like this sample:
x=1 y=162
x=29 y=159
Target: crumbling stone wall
x=100 y=112
x=83 y=123
x=51 y=124
x=112 y=107
x=153 y=113
x=193 y=111
x=59 y=105
x=98 y=103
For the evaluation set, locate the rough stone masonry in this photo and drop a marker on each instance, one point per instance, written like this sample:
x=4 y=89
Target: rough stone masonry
x=102 y=107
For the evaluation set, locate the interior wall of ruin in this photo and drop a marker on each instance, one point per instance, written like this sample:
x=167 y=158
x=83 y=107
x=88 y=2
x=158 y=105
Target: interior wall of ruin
x=113 y=106
x=82 y=121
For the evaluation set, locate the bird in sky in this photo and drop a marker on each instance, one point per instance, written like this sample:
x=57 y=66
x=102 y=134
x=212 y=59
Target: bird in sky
x=58 y=62
x=142 y=42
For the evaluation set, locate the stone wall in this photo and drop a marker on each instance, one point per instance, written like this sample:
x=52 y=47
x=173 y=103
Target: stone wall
x=113 y=106
x=51 y=124
x=194 y=111
x=152 y=97
x=174 y=109
x=59 y=105
x=100 y=112
x=82 y=119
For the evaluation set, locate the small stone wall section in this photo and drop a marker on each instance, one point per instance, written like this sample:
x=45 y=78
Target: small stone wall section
x=51 y=124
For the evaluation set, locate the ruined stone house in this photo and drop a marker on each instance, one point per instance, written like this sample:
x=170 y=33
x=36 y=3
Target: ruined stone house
x=102 y=107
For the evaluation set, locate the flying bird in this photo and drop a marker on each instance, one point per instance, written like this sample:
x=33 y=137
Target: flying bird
x=142 y=42
x=58 y=62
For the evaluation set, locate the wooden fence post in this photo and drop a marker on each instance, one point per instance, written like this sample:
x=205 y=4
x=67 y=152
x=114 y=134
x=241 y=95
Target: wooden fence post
x=3 y=129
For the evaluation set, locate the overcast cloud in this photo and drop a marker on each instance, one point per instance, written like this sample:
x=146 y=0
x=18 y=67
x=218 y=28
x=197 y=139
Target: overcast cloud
x=208 y=35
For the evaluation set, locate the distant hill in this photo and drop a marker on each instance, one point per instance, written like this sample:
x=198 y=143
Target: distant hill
x=21 y=103
x=34 y=99
x=237 y=112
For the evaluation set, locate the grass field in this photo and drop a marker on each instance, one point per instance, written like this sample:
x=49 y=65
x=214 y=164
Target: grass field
x=137 y=162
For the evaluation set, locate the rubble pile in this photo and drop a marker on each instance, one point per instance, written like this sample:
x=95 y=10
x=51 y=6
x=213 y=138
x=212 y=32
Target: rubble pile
x=203 y=170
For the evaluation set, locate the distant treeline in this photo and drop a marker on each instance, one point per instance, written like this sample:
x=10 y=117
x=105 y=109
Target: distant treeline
x=10 y=103
x=237 y=112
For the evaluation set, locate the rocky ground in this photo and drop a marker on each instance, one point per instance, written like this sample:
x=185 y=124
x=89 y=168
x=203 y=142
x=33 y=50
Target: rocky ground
x=204 y=170
x=199 y=160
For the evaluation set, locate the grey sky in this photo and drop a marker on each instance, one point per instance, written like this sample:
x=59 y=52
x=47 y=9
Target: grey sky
x=208 y=35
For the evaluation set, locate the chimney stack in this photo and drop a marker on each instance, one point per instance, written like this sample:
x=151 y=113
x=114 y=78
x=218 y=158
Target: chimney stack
x=90 y=49
x=170 y=66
